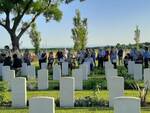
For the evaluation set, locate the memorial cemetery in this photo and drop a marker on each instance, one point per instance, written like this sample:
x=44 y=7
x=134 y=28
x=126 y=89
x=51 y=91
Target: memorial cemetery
x=77 y=79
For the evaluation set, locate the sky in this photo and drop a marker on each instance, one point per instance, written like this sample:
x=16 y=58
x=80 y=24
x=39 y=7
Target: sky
x=109 y=22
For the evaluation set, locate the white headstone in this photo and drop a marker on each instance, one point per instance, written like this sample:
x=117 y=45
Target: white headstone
x=43 y=65
x=42 y=105
x=10 y=75
x=65 y=68
x=115 y=87
x=131 y=67
x=138 y=72
x=147 y=78
x=19 y=92
x=84 y=70
x=24 y=69
x=108 y=68
x=67 y=87
x=108 y=64
x=56 y=72
x=1 y=65
x=5 y=69
x=89 y=67
x=43 y=79
x=31 y=72
x=77 y=74
x=111 y=72
x=127 y=105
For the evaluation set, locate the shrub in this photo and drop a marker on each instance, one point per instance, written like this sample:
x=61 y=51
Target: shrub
x=32 y=85
x=143 y=92
x=92 y=82
x=92 y=101
x=123 y=72
x=3 y=90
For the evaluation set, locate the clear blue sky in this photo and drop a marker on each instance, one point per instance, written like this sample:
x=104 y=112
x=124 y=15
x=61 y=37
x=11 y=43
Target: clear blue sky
x=109 y=22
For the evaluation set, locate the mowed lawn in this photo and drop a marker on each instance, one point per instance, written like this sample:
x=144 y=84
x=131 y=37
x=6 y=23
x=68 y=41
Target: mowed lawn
x=78 y=94
x=69 y=110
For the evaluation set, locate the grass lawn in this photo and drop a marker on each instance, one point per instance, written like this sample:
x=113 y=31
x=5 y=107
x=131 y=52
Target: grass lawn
x=78 y=94
x=69 y=110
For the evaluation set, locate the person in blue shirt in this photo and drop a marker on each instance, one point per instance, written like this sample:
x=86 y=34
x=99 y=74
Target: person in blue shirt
x=146 y=56
x=133 y=54
x=113 y=56
x=100 y=57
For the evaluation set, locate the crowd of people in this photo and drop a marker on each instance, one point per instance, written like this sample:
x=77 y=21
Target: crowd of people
x=96 y=57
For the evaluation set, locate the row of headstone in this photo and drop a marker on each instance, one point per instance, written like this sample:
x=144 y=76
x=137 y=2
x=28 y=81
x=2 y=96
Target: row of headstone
x=121 y=105
x=133 y=69
x=67 y=87
x=84 y=71
x=28 y=71
x=19 y=91
x=65 y=68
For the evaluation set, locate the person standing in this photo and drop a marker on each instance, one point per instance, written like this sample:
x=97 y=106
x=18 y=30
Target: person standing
x=113 y=56
x=146 y=56
x=120 y=55
x=100 y=57
x=17 y=63
x=27 y=57
x=50 y=60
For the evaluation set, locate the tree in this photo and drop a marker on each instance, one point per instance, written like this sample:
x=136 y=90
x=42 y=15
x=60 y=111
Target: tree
x=14 y=14
x=79 y=32
x=118 y=45
x=35 y=37
x=137 y=37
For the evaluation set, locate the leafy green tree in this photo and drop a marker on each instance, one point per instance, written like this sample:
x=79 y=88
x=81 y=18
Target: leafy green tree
x=118 y=45
x=16 y=16
x=79 y=32
x=35 y=37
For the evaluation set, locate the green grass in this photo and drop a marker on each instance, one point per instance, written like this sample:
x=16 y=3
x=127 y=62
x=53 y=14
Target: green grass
x=69 y=110
x=78 y=94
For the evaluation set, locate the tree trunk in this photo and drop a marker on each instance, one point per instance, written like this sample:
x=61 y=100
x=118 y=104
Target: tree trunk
x=15 y=43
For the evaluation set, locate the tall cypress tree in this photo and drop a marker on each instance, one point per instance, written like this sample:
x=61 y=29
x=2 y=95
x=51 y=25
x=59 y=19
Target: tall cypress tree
x=79 y=32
